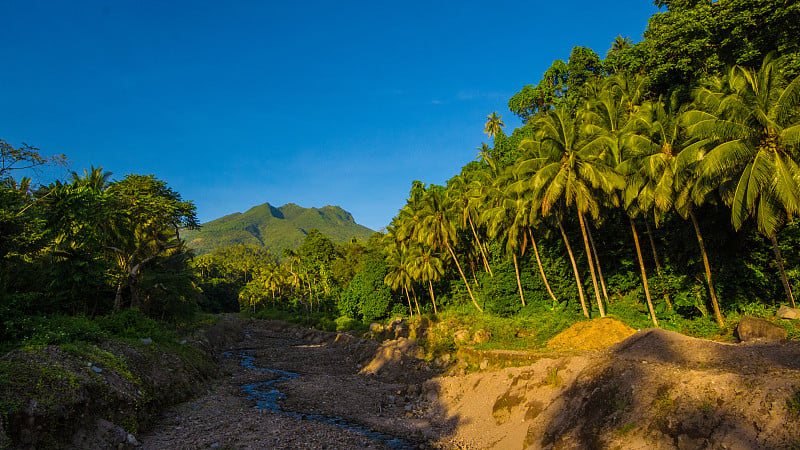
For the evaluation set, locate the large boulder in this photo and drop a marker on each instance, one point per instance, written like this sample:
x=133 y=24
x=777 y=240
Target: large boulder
x=784 y=312
x=752 y=328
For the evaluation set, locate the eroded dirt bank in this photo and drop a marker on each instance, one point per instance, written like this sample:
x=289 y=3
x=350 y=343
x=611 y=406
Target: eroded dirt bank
x=656 y=389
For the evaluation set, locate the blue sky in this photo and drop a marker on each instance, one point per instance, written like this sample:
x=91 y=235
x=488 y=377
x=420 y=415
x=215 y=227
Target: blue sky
x=238 y=103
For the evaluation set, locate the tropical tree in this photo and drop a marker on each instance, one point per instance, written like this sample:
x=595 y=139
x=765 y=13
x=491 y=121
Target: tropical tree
x=145 y=217
x=426 y=266
x=567 y=172
x=610 y=116
x=494 y=125
x=462 y=193
x=438 y=231
x=399 y=275
x=749 y=121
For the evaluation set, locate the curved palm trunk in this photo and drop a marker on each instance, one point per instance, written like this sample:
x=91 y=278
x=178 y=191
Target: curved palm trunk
x=408 y=297
x=433 y=299
x=416 y=303
x=714 y=303
x=519 y=284
x=591 y=265
x=644 y=273
x=574 y=269
x=541 y=268
x=653 y=247
x=480 y=246
x=466 y=283
x=655 y=258
x=597 y=261
x=779 y=259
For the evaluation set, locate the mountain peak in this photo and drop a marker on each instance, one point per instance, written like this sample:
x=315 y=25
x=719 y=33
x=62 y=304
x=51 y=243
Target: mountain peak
x=275 y=228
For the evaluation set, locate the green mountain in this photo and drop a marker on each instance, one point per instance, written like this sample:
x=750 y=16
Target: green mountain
x=275 y=228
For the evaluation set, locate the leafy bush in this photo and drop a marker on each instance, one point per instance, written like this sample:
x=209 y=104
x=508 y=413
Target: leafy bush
x=61 y=329
x=132 y=324
x=345 y=323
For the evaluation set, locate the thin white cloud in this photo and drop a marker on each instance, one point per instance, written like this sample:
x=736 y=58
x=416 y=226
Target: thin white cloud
x=476 y=94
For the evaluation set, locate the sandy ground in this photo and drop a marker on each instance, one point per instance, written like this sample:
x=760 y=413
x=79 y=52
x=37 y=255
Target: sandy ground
x=655 y=389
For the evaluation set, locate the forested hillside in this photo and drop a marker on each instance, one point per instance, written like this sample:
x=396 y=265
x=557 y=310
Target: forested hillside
x=275 y=229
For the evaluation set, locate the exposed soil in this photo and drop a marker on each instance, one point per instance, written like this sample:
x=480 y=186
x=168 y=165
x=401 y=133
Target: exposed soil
x=655 y=389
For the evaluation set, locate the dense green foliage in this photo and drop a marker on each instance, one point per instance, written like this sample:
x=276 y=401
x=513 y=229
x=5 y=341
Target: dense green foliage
x=88 y=247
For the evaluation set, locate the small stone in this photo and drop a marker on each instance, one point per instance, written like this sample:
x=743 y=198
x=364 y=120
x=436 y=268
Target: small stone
x=461 y=336
x=96 y=369
x=481 y=336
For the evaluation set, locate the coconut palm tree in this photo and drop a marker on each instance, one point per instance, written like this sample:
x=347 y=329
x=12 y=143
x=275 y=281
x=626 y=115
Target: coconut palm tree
x=610 y=118
x=526 y=169
x=494 y=125
x=569 y=173
x=484 y=153
x=94 y=178
x=438 y=231
x=461 y=193
x=426 y=266
x=749 y=122
x=399 y=275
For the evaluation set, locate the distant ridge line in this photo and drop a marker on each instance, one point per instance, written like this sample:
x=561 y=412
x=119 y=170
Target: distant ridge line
x=275 y=228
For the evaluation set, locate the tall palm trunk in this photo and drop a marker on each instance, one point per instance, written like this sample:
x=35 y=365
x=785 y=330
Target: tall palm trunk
x=714 y=303
x=541 y=268
x=416 y=303
x=653 y=247
x=480 y=246
x=655 y=258
x=644 y=274
x=597 y=261
x=466 y=283
x=410 y=308
x=591 y=265
x=433 y=299
x=779 y=259
x=574 y=269
x=519 y=284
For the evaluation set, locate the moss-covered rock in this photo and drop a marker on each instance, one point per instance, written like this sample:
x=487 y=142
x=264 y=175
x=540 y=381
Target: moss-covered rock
x=59 y=396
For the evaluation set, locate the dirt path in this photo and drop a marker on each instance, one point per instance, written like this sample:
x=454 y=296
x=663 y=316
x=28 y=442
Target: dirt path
x=655 y=389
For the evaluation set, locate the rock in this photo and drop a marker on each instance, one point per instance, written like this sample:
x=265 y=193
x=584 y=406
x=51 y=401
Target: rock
x=784 y=312
x=751 y=328
x=96 y=369
x=481 y=336
x=461 y=337
x=399 y=328
x=131 y=439
x=431 y=396
x=146 y=340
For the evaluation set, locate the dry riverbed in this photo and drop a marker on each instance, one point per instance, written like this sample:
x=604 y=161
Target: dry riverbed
x=655 y=389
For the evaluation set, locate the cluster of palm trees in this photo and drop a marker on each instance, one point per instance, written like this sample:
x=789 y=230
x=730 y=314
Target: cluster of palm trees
x=735 y=139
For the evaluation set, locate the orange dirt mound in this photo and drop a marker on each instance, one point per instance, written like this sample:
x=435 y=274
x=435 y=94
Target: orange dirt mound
x=595 y=334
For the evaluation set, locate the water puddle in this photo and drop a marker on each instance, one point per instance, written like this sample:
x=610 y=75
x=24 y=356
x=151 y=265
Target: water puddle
x=266 y=396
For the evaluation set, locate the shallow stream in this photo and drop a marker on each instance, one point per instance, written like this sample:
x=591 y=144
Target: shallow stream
x=266 y=397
